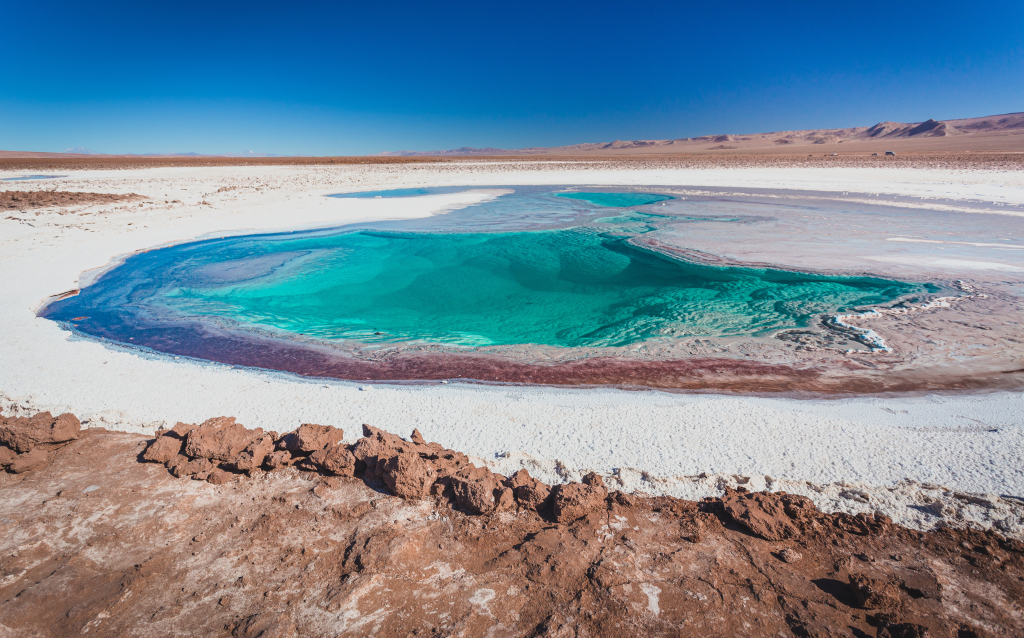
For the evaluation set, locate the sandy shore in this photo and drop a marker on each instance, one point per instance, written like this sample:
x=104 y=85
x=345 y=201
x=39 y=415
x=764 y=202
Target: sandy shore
x=650 y=441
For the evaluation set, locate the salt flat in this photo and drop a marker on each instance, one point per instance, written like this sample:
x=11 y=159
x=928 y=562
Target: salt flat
x=854 y=452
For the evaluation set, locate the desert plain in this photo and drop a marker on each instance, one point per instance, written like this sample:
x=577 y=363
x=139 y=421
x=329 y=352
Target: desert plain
x=850 y=478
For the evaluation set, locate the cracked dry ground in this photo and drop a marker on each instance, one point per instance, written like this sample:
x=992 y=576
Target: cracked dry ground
x=98 y=543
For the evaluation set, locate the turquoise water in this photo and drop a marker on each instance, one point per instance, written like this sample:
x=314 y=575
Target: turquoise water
x=569 y=288
x=617 y=200
x=603 y=199
x=398 y=192
x=580 y=284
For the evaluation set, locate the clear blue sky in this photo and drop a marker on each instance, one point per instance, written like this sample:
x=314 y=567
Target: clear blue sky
x=341 y=78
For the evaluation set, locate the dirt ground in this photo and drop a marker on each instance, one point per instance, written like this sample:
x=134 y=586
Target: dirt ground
x=27 y=200
x=97 y=541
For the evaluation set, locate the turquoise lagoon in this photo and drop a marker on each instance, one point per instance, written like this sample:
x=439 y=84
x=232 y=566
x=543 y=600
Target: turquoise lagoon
x=567 y=276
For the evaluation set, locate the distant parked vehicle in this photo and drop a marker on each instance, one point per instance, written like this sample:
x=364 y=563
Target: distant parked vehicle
x=890 y=153
x=834 y=154
x=874 y=155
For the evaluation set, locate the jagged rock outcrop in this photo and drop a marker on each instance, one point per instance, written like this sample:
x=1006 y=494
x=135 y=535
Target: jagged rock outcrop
x=220 y=449
x=772 y=516
x=26 y=443
x=28 y=461
x=336 y=459
x=41 y=430
x=474 y=489
x=220 y=439
x=295 y=546
x=408 y=476
x=529 y=492
x=163 y=449
x=310 y=437
x=575 y=500
x=253 y=455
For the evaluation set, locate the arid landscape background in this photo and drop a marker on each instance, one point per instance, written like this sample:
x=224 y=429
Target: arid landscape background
x=991 y=135
x=226 y=530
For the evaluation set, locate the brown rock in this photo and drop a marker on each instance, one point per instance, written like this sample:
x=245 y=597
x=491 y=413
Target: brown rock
x=594 y=479
x=253 y=455
x=180 y=459
x=417 y=437
x=519 y=479
x=7 y=456
x=474 y=489
x=310 y=437
x=65 y=428
x=378 y=445
x=220 y=439
x=181 y=429
x=24 y=434
x=29 y=461
x=448 y=463
x=531 y=493
x=366 y=451
x=277 y=460
x=336 y=459
x=695 y=526
x=220 y=477
x=875 y=593
x=790 y=555
x=198 y=469
x=576 y=500
x=903 y=630
x=163 y=449
x=505 y=501
x=801 y=508
x=921 y=585
x=408 y=476
x=306 y=464
x=772 y=516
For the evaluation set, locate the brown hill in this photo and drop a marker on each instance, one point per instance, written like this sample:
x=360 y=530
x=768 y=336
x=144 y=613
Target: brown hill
x=1003 y=133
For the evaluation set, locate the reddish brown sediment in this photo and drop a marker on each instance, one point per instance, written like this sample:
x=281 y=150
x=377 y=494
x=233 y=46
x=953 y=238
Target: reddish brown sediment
x=728 y=375
x=96 y=541
x=848 y=376
x=27 y=200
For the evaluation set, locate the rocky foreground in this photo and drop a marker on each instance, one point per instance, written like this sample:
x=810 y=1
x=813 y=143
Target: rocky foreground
x=303 y=535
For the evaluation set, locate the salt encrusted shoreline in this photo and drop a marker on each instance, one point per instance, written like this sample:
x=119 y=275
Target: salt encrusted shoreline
x=648 y=441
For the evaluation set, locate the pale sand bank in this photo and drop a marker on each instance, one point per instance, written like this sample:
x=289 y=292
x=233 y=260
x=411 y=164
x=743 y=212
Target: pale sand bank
x=652 y=440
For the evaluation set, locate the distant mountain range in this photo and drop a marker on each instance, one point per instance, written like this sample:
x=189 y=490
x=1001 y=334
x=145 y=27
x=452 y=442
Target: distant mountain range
x=992 y=134
x=1005 y=132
